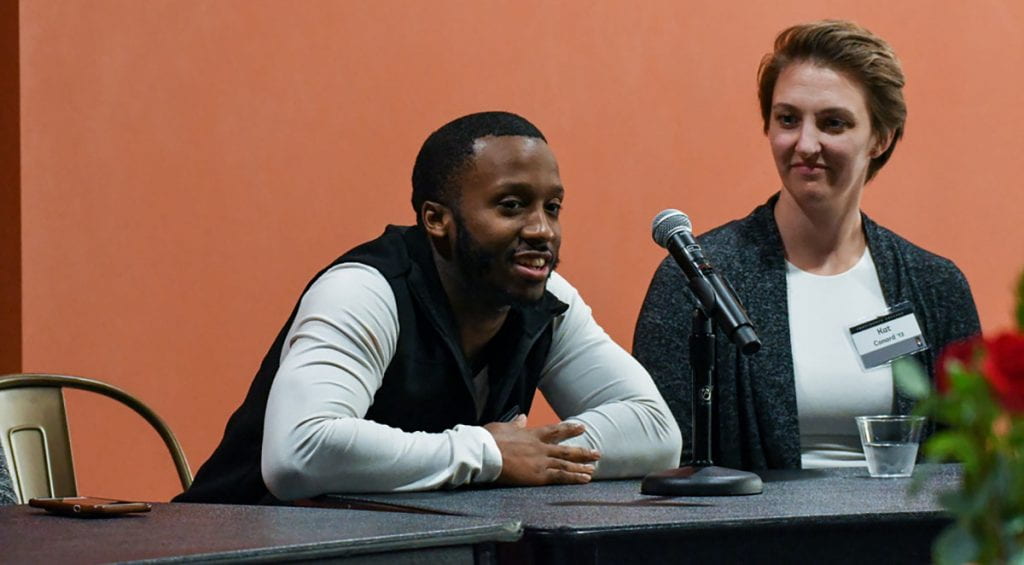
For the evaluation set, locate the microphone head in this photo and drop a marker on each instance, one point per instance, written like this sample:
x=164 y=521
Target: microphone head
x=668 y=223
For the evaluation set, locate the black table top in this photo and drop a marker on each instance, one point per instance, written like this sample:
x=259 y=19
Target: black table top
x=200 y=532
x=204 y=532
x=792 y=497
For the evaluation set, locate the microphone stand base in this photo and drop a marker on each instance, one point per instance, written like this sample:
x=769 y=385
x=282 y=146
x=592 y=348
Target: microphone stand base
x=696 y=480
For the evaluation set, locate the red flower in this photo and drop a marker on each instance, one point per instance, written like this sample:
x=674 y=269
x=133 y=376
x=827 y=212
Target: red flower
x=964 y=351
x=1004 y=369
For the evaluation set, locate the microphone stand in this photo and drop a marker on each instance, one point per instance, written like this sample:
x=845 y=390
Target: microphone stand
x=700 y=476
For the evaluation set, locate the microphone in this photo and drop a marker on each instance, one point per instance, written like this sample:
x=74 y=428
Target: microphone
x=672 y=230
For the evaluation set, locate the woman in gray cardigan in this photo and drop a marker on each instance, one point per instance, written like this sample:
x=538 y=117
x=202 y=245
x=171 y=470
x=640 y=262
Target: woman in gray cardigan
x=809 y=266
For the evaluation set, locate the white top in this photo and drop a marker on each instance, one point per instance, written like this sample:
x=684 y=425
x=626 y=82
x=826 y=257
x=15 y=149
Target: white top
x=832 y=386
x=345 y=332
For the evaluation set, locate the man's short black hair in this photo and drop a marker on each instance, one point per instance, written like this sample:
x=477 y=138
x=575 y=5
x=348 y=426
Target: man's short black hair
x=448 y=150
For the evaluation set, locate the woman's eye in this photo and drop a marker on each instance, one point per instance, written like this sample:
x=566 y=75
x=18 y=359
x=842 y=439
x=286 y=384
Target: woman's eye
x=786 y=120
x=835 y=124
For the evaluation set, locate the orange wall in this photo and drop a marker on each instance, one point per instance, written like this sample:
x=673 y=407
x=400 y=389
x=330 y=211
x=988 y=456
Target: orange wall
x=187 y=165
x=10 y=191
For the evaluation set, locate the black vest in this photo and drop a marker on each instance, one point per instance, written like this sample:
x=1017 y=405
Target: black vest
x=427 y=386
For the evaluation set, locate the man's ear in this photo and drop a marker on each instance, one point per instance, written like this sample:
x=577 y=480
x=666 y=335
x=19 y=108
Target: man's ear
x=437 y=219
x=439 y=223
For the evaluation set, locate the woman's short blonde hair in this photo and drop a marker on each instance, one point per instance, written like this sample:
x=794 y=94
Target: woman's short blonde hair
x=846 y=47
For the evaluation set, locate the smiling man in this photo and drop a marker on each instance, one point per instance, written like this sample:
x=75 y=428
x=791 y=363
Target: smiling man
x=411 y=361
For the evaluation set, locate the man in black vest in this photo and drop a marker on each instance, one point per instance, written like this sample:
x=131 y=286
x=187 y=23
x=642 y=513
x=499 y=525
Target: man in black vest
x=411 y=361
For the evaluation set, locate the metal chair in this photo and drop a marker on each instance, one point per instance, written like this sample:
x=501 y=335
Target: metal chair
x=34 y=432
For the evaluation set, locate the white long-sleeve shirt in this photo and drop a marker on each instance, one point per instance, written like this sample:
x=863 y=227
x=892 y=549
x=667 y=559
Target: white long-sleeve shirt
x=337 y=350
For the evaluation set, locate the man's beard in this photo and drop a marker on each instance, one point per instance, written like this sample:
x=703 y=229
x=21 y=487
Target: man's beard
x=475 y=263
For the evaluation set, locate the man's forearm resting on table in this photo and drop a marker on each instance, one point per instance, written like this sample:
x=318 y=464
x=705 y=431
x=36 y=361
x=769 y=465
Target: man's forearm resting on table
x=356 y=455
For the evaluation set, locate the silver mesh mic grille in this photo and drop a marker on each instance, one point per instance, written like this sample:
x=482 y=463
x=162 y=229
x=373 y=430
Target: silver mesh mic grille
x=668 y=223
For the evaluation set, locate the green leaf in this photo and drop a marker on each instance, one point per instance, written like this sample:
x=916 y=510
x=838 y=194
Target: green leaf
x=957 y=502
x=954 y=546
x=953 y=445
x=1015 y=527
x=911 y=378
x=1020 y=303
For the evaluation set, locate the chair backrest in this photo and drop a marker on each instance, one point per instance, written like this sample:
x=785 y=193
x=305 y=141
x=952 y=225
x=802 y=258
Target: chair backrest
x=34 y=432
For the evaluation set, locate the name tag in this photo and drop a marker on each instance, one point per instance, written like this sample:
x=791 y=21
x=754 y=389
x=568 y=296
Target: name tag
x=888 y=337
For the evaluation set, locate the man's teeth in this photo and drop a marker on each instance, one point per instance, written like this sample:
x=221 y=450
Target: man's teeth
x=535 y=263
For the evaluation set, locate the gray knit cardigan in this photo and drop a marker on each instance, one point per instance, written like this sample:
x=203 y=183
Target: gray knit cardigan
x=6 y=488
x=755 y=416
